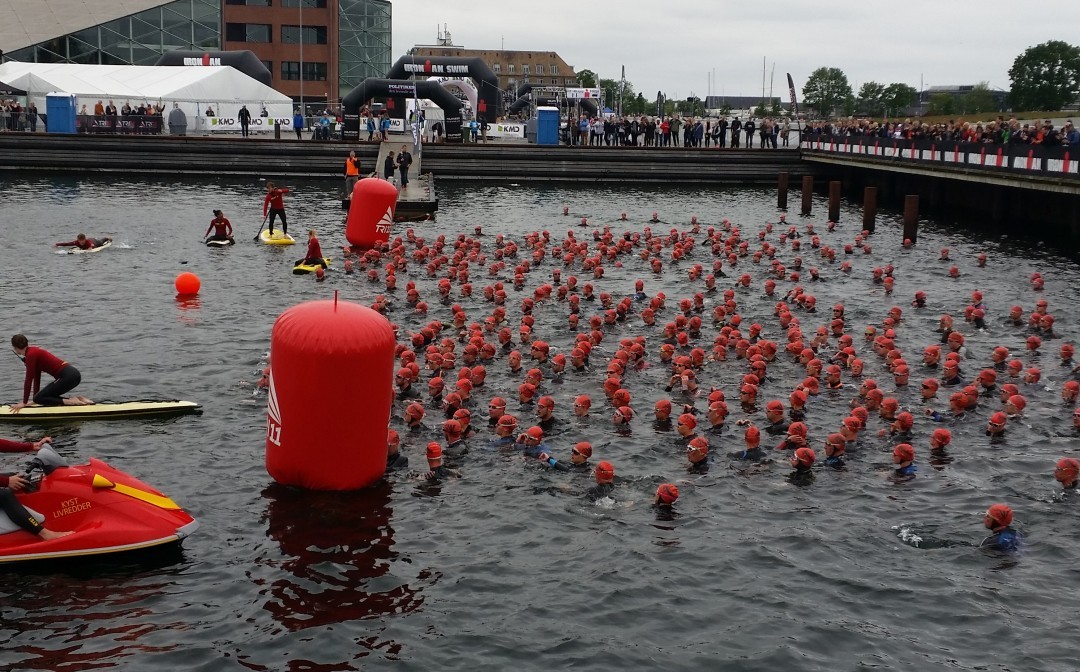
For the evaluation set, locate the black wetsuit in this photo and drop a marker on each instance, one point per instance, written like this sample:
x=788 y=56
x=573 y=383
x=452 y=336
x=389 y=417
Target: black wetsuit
x=752 y=455
x=599 y=491
x=17 y=512
x=396 y=462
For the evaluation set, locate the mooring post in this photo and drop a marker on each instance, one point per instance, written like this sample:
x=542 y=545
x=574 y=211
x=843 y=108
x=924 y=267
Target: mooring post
x=835 y=188
x=781 y=191
x=869 y=213
x=807 y=193
x=911 y=217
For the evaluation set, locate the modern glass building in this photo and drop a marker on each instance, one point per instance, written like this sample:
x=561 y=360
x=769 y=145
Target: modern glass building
x=315 y=49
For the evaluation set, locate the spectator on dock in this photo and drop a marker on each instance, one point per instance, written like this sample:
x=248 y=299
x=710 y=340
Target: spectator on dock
x=298 y=124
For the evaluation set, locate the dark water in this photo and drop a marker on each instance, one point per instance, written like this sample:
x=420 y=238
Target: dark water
x=504 y=568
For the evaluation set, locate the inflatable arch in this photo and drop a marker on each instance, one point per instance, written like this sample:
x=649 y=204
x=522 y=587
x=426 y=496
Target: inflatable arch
x=244 y=61
x=395 y=90
x=487 y=82
x=465 y=87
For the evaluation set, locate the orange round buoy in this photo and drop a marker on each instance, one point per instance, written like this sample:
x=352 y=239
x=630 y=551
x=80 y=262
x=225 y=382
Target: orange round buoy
x=371 y=213
x=187 y=284
x=331 y=386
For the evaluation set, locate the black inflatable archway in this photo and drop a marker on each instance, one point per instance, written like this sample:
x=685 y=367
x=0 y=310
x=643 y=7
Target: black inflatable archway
x=244 y=61
x=397 y=89
x=488 y=95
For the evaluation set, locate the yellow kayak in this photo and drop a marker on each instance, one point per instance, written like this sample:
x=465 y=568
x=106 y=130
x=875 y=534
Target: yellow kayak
x=279 y=238
x=301 y=269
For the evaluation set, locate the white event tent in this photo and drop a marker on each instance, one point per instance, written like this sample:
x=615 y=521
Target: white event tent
x=222 y=87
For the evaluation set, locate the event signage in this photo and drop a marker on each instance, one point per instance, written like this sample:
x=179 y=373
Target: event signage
x=256 y=125
x=573 y=93
x=429 y=68
x=114 y=124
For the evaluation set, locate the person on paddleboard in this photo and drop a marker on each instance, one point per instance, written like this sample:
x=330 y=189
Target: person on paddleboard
x=314 y=252
x=221 y=226
x=276 y=206
x=9 y=485
x=84 y=243
x=39 y=360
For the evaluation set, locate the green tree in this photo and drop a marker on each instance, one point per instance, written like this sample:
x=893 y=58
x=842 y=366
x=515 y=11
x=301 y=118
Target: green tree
x=725 y=110
x=978 y=100
x=761 y=110
x=825 y=89
x=775 y=110
x=1045 y=77
x=587 y=78
x=871 y=99
x=896 y=97
x=940 y=103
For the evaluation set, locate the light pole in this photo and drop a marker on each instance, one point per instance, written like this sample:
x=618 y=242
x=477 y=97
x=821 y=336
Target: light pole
x=302 y=110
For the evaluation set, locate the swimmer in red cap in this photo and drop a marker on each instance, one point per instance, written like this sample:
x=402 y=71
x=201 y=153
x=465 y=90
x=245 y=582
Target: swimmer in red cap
x=904 y=459
x=666 y=495
x=1003 y=537
x=802 y=462
x=505 y=431
x=579 y=458
x=395 y=459
x=1067 y=473
x=835 y=445
x=995 y=426
x=697 y=452
x=605 y=482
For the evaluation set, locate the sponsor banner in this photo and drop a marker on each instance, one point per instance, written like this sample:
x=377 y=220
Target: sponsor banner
x=506 y=130
x=257 y=124
x=573 y=93
x=127 y=124
x=429 y=68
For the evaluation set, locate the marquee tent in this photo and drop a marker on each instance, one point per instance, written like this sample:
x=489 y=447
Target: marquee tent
x=192 y=88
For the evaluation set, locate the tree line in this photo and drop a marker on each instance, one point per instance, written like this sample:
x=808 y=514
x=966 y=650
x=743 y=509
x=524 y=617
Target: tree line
x=1044 y=77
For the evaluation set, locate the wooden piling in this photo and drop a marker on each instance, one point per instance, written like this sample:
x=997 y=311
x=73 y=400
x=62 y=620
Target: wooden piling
x=911 y=217
x=781 y=191
x=869 y=213
x=835 y=189
x=807 y=193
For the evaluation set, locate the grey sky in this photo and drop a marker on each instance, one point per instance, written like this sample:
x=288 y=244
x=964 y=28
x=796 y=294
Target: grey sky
x=674 y=47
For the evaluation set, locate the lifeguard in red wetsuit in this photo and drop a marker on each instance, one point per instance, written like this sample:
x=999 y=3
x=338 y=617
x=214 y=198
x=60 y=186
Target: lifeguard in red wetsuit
x=38 y=361
x=314 y=255
x=221 y=226
x=84 y=243
x=276 y=207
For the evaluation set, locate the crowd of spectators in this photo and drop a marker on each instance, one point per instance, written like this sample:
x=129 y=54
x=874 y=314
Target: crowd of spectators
x=998 y=132
x=16 y=117
x=677 y=131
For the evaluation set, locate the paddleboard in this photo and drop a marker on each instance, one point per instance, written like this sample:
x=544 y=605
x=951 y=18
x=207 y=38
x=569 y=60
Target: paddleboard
x=279 y=238
x=75 y=250
x=127 y=409
x=301 y=269
x=219 y=243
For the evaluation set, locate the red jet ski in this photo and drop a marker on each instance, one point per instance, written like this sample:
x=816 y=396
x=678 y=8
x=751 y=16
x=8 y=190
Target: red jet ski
x=107 y=510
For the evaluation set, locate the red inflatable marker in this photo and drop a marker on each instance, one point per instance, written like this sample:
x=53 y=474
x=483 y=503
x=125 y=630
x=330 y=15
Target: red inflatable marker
x=331 y=386
x=371 y=214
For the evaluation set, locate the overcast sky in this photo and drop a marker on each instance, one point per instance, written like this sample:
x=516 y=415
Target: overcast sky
x=674 y=47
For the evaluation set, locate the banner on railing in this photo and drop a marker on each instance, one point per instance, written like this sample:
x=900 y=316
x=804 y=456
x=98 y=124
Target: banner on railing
x=1047 y=160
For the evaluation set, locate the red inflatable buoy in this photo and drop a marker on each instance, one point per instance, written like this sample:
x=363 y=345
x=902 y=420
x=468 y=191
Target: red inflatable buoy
x=187 y=284
x=331 y=387
x=371 y=213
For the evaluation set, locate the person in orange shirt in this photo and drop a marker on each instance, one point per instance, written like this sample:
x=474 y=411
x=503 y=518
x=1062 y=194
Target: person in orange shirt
x=352 y=173
x=99 y=109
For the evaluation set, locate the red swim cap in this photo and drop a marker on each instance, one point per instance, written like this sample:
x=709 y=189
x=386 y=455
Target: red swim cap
x=804 y=456
x=535 y=432
x=688 y=420
x=604 y=472
x=797 y=429
x=434 y=451
x=585 y=448
x=904 y=451
x=667 y=493
x=1000 y=514
x=942 y=436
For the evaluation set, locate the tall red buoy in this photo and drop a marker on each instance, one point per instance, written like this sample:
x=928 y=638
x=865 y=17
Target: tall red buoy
x=371 y=213
x=331 y=387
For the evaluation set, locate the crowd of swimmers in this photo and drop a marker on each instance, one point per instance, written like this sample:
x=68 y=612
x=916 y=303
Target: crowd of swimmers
x=442 y=366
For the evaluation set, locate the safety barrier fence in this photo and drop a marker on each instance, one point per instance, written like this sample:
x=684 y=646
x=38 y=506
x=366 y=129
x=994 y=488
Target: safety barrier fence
x=1040 y=160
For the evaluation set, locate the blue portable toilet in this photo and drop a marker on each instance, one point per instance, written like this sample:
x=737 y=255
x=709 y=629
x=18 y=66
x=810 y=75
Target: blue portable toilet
x=60 y=108
x=547 y=125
